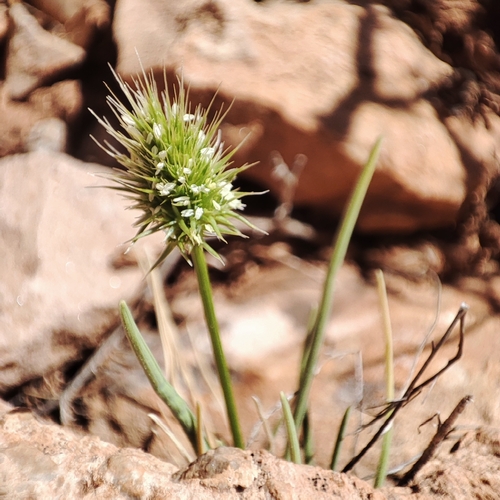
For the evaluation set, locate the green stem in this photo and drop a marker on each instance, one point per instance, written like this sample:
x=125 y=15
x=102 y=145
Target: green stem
x=342 y=238
x=293 y=438
x=308 y=440
x=340 y=439
x=383 y=463
x=200 y=266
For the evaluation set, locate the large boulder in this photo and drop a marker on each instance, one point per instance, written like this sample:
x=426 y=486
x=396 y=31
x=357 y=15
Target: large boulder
x=39 y=460
x=59 y=291
x=321 y=79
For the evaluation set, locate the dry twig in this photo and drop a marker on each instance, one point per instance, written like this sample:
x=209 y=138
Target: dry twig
x=415 y=388
x=441 y=434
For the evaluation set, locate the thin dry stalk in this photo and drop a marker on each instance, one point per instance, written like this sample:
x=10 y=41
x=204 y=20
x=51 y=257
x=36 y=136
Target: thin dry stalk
x=414 y=389
x=441 y=434
x=163 y=426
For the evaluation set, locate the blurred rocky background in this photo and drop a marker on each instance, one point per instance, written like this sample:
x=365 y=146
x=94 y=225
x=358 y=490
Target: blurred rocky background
x=311 y=86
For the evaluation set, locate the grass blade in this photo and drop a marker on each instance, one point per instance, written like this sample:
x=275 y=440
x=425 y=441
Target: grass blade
x=293 y=439
x=342 y=238
x=340 y=439
x=308 y=440
x=163 y=426
x=167 y=393
x=383 y=463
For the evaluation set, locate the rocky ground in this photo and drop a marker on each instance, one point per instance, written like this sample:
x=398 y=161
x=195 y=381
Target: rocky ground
x=314 y=84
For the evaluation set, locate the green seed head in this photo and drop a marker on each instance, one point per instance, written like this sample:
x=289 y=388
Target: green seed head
x=176 y=168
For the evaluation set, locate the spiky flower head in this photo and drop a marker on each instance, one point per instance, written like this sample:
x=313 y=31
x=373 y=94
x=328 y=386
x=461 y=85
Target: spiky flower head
x=176 y=167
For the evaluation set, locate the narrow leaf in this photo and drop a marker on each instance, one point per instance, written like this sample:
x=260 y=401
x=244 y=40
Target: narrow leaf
x=293 y=439
x=342 y=239
x=167 y=393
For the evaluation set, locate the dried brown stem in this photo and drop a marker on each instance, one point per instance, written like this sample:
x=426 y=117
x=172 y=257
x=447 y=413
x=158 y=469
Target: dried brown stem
x=440 y=435
x=415 y=388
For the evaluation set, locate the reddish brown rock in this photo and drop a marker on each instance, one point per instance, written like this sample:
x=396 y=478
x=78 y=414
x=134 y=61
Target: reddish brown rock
x=46 y=461
x=324 y=80
x=42 y=460
x=58 y=238
x=81 y=18
x=35 y=56
x=4 y=22
x=62 y=100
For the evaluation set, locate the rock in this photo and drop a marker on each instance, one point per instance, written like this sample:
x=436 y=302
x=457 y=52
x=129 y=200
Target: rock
x=62 y=100
x=81 y=19
x=464 y=470
x=35 y=56
x=48 y=135
x=45 y=461
x=42 y=460
x=57 y=241
x=262 y=475
x=4 y=22
x=222 y=469
x=322 y=79
x=39 y=460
